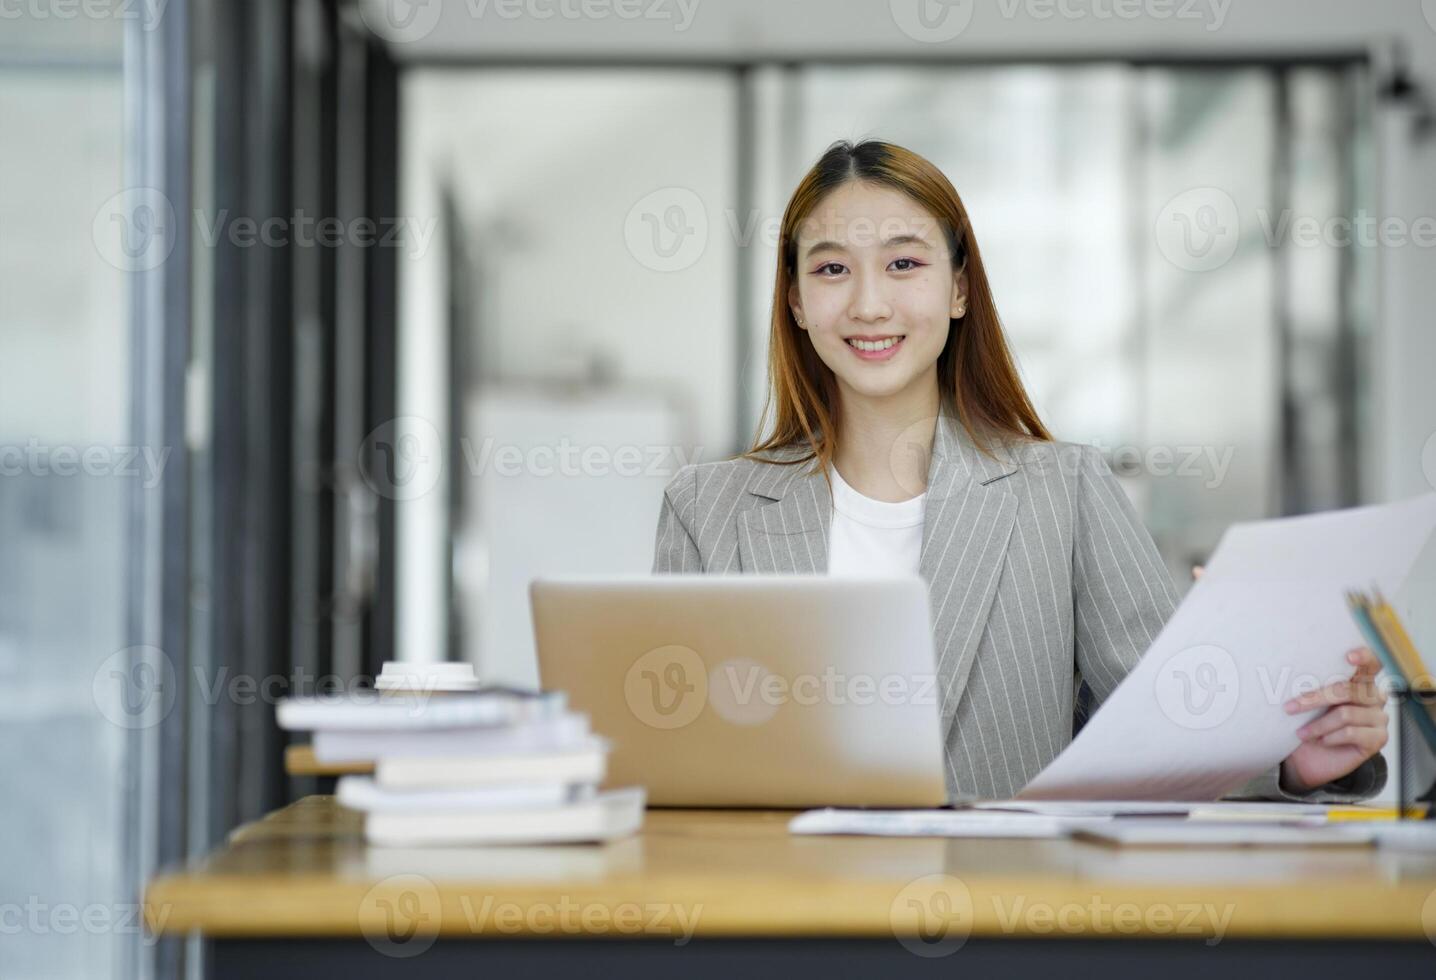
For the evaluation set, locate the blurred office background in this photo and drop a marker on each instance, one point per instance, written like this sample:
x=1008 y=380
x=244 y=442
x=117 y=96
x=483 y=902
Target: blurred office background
x=237 y=446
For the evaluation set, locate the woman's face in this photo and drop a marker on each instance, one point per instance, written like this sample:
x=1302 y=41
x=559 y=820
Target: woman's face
x=874 y=288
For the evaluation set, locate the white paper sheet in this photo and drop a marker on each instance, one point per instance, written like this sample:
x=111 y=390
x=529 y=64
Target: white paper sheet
x=932 y=823
x=1202 y=711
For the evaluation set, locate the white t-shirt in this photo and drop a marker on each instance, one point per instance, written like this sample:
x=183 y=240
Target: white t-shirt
x=873 y=537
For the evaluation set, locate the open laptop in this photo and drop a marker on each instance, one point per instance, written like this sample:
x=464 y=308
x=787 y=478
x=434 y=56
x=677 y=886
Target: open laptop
x=751 y=690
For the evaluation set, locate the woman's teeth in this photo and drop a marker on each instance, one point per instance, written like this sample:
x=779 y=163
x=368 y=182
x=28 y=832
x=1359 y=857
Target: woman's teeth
x=883 y=344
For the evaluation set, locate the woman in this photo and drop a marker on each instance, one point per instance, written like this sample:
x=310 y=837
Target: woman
x=903 y=441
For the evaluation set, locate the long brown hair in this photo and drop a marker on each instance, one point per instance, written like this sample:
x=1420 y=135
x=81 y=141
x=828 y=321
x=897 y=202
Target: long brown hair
x=977 y=381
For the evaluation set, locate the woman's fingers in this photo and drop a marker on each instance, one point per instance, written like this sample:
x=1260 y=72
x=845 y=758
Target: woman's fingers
x=1361 y=689
x=1368 y=740
x=1366 y=662
x=1343 y=717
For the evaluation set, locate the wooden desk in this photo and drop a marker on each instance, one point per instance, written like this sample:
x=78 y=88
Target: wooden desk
x=299 y=760
x=725 y=893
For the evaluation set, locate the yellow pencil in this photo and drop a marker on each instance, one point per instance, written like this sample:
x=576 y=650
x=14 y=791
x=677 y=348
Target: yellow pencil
x=1342 y=814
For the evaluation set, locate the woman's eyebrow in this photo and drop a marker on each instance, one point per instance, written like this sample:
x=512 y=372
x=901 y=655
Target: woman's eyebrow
x=890 y=243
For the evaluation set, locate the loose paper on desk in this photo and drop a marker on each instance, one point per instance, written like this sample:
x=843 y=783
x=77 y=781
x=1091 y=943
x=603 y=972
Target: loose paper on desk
x=1201 y=713
x=931 y=823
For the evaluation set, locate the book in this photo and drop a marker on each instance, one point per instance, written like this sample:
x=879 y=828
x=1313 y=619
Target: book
x=586 y=762
x=363 y=793
x=373 y=711
x=602 y=817
x=550 y=734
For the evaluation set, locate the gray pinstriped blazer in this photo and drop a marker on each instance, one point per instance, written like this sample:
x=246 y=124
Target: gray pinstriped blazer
x=1040 y=574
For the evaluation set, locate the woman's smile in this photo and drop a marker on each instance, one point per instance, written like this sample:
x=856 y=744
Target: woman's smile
x=875 y=347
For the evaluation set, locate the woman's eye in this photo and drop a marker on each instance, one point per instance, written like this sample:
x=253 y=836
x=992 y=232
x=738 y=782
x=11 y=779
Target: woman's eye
x=912 y=264
x=822 y=269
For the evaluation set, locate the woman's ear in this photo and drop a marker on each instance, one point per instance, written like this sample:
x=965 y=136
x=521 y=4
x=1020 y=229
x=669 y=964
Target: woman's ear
x=795 y=304
x=958 y=308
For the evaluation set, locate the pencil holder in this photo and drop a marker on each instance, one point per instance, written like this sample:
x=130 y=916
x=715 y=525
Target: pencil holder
x=1420 y=707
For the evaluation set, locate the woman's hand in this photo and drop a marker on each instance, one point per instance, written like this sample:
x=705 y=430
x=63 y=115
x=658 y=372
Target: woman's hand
x=1351 y=730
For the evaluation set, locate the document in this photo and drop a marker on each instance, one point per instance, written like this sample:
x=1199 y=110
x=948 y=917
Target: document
x=931 y=823
x=1202 y=713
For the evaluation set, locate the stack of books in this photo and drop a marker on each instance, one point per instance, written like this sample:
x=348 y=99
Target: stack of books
x=490 y=765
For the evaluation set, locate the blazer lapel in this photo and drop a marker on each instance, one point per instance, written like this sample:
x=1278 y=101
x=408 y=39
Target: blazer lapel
x=967 y=521
x=790 y=536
